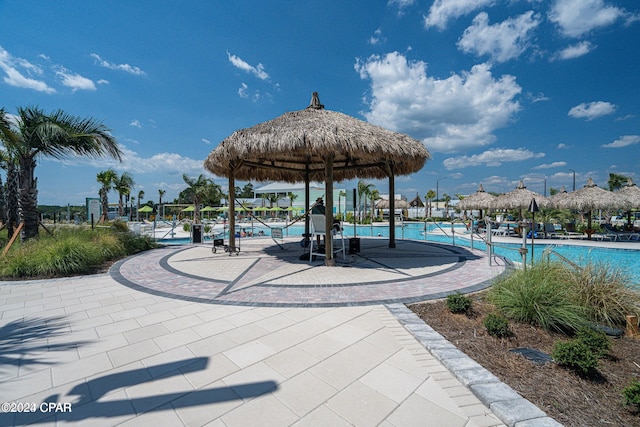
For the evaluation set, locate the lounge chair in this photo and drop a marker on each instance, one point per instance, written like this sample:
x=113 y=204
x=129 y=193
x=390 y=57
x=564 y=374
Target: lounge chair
x=615 y=234
x=550 y=232
x=318 y=228
x=570 y=231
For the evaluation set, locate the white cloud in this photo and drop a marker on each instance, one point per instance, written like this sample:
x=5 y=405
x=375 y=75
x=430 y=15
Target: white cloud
x=502 y=42
x=460 y=111
x=563 y=146
x=121 y=67
x=168 y=163
x=206 y=141
x=75 y=81
x=242 y=91
x=13 y=76
x=257 y=71
x=376 y=38
x=136 y=123
x=540 y=97
x=441 y=11
x=493 y=157
x=578 y=17
x=592 y=110
x=623 y=141
x=576 y=50
x=103 y=82
x=551 y=165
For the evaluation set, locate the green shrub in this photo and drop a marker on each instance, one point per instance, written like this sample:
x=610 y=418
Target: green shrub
x=119 y=225
x=538 y=296
x=497 y=325
x=76 y=250
x=631 y=393
x=458 y=303
x=597 y=342
x=575 y=355
x=186 y=227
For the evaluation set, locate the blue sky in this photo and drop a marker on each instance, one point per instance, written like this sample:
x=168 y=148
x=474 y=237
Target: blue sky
x=498 y=91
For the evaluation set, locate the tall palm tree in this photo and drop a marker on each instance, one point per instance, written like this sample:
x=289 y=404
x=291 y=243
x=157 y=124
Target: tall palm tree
x=374 y=195
x=160 y=193
x=140 y=196
x=292 y=197
x=11 y=214
x=447 y=199
x=106 y=178
x=364 y=189
x=341 y=194
x=198 y=190
x=430 y=195
x=616 y=181
x=123 y=185
x=56 y=135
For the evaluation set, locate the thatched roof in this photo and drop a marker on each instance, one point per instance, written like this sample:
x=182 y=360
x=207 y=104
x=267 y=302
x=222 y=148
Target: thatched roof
x=399 y=204
x=520 y=198
x=284 y=148
x=631 y=193
x=591 y=197
x=478 y=200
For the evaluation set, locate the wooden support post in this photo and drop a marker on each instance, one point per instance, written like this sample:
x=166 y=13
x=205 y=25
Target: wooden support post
x=13 y=239
x=632 y=326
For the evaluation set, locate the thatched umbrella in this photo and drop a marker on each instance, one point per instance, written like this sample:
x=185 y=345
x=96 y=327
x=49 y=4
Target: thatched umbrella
x=520 y=198
x=399 y=204
x=590 y=198
x=631 y=193
x=316 y=144
x=479 y=200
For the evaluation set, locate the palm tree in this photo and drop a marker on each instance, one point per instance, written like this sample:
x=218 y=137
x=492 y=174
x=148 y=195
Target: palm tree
x=56 y=135
x=430 y=195
x=292 y=197
x=341 y=194
x=447 y=199
x=363 y=190
x=106 y=178
x=123 y=186
x=197 y=190
x=374 y=195
x=160 y=193
x=140 y=196
x=10 y=213
x=616 y=181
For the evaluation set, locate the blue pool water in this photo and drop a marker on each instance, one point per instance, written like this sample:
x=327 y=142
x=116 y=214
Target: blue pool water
x=624 y=259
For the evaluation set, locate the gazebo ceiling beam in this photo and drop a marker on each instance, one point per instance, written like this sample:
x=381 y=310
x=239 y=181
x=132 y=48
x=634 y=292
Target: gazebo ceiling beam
x=272 y=166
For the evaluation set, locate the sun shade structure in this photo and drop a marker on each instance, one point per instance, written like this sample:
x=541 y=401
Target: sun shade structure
x=631 y=193
x=590 y=198
x=520 y=198
x=315 y=144
x=399 y=204
x=479 y=200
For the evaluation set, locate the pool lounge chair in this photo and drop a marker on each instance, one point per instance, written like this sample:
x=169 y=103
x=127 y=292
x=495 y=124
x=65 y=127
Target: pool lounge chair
x=620 y=235
x=571 y=233
x=550 y=232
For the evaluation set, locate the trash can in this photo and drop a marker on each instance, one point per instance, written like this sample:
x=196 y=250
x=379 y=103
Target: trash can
x=354 y=245
x=196 y=233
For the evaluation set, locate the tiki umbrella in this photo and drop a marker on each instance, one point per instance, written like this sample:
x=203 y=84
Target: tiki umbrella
x=631 y=194
x=519 y=198
x=479 y=200
x=590 y=198
x=399 y=204
x=316 y=144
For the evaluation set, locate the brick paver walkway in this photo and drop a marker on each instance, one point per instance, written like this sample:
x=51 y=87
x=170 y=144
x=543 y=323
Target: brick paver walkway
x=266 y=274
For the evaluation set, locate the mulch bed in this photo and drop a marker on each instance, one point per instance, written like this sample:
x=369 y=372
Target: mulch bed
x=570 y=399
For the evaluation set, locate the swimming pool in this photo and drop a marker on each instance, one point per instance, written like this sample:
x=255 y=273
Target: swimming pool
x=623 y=259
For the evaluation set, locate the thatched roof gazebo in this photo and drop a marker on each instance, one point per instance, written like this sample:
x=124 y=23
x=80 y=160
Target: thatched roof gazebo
x=315 y=144
x=398 y=204
x=590 y=198
x=520 y=198
x=479 y=200
x=631 y=193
